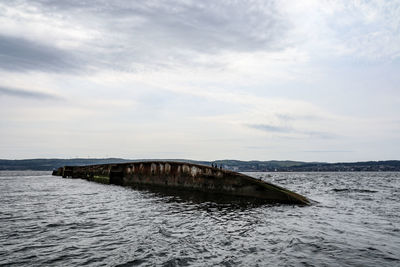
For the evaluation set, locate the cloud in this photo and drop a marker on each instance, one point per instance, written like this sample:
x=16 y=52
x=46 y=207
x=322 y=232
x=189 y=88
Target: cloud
x=137 y=36
x=26 y=93
x=18 y=54
x=203 y=26
x=367 y=30
x=291 y=117
x=145 y=35
x=289 y=130
x=270 y=128
x=280 y=73
x=320 y=135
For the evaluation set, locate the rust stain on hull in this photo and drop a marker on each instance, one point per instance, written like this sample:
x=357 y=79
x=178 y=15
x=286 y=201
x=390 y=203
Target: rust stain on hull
x=182 y=175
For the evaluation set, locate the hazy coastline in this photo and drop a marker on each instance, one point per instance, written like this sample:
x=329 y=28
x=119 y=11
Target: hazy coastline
x=234 y=165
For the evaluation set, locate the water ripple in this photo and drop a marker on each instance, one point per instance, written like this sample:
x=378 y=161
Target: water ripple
x=51 y=221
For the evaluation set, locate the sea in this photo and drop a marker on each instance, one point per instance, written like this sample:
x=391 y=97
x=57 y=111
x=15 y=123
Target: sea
x=46 y=220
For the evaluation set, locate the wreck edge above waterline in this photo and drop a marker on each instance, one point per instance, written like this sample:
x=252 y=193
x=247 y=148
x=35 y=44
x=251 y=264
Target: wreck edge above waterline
x=183 y=175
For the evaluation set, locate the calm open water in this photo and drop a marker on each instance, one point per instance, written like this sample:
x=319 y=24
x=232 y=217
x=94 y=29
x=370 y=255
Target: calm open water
x=51 y=221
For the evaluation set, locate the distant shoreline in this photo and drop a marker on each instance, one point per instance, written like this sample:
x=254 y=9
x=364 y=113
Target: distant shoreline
x=234 y=165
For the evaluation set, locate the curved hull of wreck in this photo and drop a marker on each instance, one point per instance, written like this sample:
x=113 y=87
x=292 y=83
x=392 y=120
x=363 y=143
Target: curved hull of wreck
x=183 y=176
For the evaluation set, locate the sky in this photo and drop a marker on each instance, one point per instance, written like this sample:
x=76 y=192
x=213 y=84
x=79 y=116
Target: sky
x=205 y=80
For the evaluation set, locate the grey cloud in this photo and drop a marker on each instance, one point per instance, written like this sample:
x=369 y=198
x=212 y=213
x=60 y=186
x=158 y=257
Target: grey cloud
x=214 y=26
x=287 y=117
x=161 y=33
x=287 y=130
x=18 y=54
x=270 y=128
x=202 y=25
x=320 y=135
x=26 y=93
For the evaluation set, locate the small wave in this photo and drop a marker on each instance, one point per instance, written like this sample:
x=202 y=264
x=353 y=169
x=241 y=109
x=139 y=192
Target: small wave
x=65 y=222
x=354 y=190
x=50 y=225
x=176 y=261
x=134 y=262
x=164 y=232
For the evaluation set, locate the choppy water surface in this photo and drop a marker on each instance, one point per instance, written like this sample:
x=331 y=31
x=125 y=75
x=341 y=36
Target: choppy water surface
x=46 y=220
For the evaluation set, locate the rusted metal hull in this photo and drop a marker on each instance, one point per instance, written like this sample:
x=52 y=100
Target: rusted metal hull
x=186 y=176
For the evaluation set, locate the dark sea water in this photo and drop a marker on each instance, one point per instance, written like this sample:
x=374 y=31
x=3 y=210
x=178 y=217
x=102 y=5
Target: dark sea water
x=51 y=221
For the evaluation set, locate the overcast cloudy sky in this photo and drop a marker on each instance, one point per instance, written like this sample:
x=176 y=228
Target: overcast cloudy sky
x=300 y=80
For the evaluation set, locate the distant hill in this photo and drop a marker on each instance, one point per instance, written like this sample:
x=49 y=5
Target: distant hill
x=50 y=164
x=389 y=165
x=235 y=165
x=256 y=165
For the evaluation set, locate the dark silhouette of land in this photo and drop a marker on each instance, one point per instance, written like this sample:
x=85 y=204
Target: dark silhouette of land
x=234 y=165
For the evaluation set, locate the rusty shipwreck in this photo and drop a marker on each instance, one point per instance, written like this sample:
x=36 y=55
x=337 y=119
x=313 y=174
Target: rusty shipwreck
x=186 y=176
